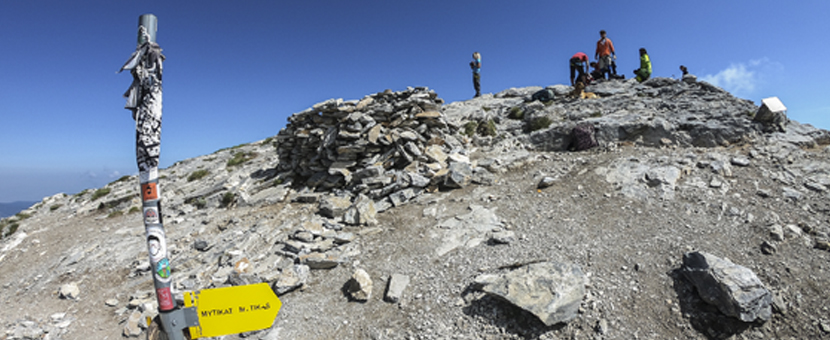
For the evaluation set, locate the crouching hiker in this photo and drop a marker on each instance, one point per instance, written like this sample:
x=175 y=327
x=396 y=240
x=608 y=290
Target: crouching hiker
x=579 y=63
x=644 y=72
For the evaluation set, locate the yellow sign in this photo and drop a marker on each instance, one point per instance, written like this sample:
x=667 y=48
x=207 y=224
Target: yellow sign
x=232 y=310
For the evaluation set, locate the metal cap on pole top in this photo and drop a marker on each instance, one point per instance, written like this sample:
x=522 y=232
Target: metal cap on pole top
x=151 y=25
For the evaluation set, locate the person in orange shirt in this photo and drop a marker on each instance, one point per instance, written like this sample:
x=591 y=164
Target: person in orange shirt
x=606 y=55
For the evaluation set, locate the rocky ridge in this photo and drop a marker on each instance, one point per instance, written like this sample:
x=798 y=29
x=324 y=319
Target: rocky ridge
x=438 y=203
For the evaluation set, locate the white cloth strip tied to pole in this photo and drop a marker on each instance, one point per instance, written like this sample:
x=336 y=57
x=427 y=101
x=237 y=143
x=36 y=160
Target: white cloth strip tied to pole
x=144 y=99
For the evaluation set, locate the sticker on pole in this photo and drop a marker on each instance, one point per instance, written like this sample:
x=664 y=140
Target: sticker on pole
x=232 y=310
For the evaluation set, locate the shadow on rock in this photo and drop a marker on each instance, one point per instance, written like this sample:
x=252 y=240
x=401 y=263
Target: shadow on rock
x=507 y=316
x=704 y=318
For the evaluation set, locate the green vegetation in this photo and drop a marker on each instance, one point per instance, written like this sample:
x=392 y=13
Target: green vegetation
x=227 y=199
x=241 y=157
x=231 y=148
x=122 y=179
x=278 y=181
x=22 y=216
x=198 y=202
x=10 y=230
x=750 y=114
x=516 y=113
x=134 y=210
x=100 y=193
x=81 y=193
x=539 y=123
x=488 y=128
x=267 y=140
x=486 y=109
x=197 y=175
x=55 y=207
x=470 y=128
x=115 y=214
x=596 y=114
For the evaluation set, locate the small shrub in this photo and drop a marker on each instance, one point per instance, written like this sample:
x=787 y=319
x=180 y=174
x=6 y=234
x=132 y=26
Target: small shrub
x=55 y=207
x=81 y=193
x=122 y=179
x=486 y=109
x=100 y=193
x=241 y=157
x=470 y=128
x=227 y=199
x=115 y=214
x=11 y=229
x=596 y=114
x=488 y=128
x=134 y=210
x=516 y=113
x=750 y=114
x=278 y=181
x=267 y=140
x=539 y=123
x=198 y=202
x=197 y=175
x=22 y=216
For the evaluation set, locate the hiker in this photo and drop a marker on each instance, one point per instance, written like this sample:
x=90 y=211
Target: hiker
x=579 y=62
x=475 y=65
x=644 y=72
x=597 y=72
x=687 y=77
x=605 y=56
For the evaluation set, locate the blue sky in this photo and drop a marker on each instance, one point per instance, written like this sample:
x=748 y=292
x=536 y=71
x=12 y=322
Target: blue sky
x=236 y=70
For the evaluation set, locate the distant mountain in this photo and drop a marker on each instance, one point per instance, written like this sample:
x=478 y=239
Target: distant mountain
x=9 y=209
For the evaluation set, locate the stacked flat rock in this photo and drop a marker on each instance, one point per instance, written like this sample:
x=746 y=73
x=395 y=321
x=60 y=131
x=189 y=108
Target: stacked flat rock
x=379 y=145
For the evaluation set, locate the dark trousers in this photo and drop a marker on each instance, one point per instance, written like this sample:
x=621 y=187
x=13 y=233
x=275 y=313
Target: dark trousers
x=477 y=83
x=574 y=68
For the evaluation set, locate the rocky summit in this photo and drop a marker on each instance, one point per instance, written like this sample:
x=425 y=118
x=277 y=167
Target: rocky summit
x=667 y=209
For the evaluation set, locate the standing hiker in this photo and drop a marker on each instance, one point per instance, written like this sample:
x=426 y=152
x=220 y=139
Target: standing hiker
x=603 y=55
x=579 y=62
x=644 y=72
x=475 y=65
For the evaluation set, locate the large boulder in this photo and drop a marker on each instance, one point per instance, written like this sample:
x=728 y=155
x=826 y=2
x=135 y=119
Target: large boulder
x=735 y=290
x=551 y=291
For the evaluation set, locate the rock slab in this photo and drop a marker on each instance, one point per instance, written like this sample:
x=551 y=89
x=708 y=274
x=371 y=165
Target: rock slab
x=549 y=290
x=360 y=286
x=734 y=289
x=397 y=284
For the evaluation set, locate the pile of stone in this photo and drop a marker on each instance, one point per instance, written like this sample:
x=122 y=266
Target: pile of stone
x=390 y=144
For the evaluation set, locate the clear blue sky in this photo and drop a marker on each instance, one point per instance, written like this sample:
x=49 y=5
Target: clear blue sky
x=236 y=70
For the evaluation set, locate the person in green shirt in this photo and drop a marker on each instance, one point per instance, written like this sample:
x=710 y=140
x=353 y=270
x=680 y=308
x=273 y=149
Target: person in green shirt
x=644 y=72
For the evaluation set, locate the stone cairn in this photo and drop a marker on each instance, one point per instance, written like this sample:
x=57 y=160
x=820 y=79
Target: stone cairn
x=388 y=145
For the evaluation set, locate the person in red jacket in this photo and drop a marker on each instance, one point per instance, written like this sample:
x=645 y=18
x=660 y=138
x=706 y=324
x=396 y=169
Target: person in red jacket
x=606 y=55
x=579 y=62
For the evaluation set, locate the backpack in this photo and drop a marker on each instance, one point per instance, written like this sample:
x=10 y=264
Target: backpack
x=544 y=95
x=583 y=137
